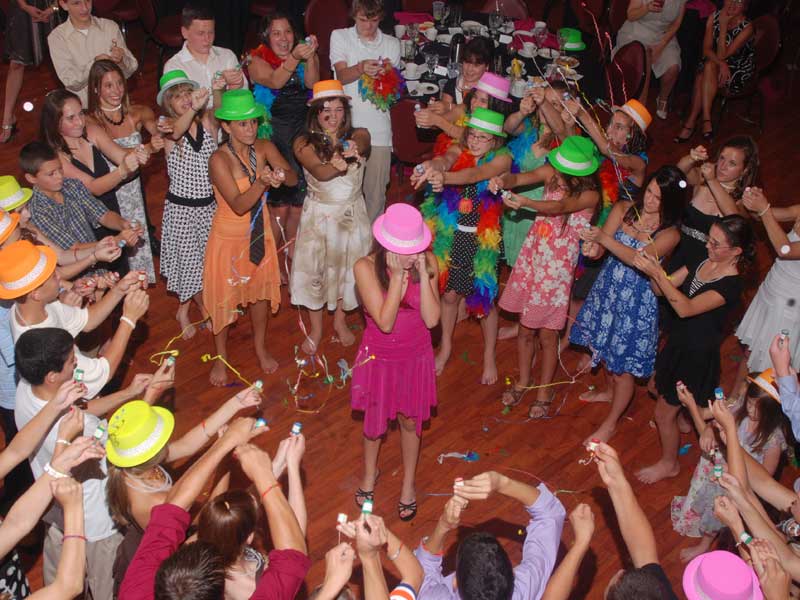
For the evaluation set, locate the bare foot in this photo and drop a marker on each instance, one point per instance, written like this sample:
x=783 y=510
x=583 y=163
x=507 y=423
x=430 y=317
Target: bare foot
x=219 y=374
x=188 y=330
x=658 y=471
x=442 y=356
x=603 y=433
x=268 y=364
x=684 y=426
x=689 y=553
x=344 y=334
x=311 y=343
x=508 y=332
x=595 y=396
x=489 y=375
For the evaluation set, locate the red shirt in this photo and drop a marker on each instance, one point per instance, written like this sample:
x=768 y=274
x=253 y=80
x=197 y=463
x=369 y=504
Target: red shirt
x=167 y=531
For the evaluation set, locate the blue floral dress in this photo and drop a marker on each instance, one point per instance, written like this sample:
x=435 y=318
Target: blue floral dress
x=619 y=320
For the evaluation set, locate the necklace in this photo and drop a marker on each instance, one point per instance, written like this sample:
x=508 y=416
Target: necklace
x=139 y=483
x=112 y=121
x=115 y=109
x=728 y=187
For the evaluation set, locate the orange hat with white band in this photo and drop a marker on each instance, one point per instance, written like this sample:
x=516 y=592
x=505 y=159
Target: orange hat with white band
x=8 y=222
x=327 y=89
x=636 y=111
x=23 y=268
x=766 y=381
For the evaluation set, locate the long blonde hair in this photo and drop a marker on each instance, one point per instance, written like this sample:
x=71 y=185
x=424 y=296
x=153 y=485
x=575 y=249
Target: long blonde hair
x=117 y=497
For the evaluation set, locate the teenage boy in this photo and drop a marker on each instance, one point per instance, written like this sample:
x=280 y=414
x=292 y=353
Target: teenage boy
x=27 y=275
x=46 y=359
x=63 y=209
x=356 y=51
x=483 y=569
x=83 y=39
x=200 y=59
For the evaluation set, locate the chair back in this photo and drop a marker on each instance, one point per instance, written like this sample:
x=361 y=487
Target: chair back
x=536 y=9
x=617 y=15
x=584 y=10
x=147 y=15
x=407 y=148
x=425 y=6
x=767 y=40
x=513 y=9
x=322 y=17
x=102 y=8
x=626 y=73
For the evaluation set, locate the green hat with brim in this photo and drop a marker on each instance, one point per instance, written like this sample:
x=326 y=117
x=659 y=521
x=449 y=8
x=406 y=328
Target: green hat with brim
x=239 y=105
x=488 y=121
x=576 y=155
x=171 y=79
x=574 y=39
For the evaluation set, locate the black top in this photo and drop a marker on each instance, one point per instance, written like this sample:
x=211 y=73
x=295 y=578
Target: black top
x=691 y=249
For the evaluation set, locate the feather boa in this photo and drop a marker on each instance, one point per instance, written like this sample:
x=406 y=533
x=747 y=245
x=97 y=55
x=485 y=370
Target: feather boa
x=444 y=141
x=385 y=89
x=610 y=187
x=521 y=147
x=267 y=96
x=441 y=211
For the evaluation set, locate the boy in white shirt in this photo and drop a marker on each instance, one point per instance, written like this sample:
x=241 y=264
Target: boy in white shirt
x=200 y=59
x=354 y=52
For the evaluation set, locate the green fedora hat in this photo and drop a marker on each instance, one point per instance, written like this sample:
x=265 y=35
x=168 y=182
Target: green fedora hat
x=576 y=155
x=574 y=39
x=239 y=105
x=487 y=120
x=171 y=79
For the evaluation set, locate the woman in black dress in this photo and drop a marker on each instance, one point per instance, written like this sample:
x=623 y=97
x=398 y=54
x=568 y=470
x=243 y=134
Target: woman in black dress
x=283 y=69
x=728 y=62
x=702 y=297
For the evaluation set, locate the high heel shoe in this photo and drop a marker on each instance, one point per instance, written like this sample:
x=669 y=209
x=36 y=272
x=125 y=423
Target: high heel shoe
x=708 y=135
x=678 y=139
x=12 y=129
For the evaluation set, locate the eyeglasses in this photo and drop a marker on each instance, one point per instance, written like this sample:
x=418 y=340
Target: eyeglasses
x=716 y=244
x=478 y=137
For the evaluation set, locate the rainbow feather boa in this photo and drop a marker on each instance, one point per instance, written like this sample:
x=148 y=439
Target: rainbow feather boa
x=385 y=89
x=441 y=212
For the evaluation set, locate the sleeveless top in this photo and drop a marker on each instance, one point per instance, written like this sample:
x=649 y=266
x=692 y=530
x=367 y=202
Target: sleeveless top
x=187 y=166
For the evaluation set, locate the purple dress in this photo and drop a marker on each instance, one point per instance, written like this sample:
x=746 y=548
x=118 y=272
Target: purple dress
x=402 y=377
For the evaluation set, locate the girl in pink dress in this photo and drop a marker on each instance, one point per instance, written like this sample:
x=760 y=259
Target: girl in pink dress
x=398 y=287
x=540 y=283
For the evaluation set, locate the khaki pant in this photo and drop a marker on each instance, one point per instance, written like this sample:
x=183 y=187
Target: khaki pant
x=376 y=180
x=99 y=562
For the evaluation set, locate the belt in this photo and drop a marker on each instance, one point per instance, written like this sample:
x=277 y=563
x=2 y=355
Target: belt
x=694 y=233
x=194 y=202
x=467 y=228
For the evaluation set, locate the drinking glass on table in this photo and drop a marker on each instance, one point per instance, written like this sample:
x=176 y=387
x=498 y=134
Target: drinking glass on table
x=562 y=41
x=432 y=60
x=440 y=11
x=495 y=21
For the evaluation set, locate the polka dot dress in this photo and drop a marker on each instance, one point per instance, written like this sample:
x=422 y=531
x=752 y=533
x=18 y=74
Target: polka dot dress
x=185 y=229
x=465 y=245
x=13 y=583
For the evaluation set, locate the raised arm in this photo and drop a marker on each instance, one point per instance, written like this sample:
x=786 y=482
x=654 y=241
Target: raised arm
x=71 y=566
x=559 y=587
x=756 y=202
x=633 y=524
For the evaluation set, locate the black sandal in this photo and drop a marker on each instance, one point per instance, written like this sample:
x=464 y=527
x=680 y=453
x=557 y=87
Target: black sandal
x=679 y=139
x=410 y=508
x=364 y=495
x=708 y=135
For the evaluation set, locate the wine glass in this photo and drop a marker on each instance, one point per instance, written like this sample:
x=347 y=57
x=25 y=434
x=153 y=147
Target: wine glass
x=432 y=60
x=495 y=22
x=562 y=41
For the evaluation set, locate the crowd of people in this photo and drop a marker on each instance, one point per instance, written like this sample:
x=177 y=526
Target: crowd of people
x=278 y=178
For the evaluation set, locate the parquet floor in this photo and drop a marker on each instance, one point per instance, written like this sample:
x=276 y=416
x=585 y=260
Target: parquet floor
x=549 y=449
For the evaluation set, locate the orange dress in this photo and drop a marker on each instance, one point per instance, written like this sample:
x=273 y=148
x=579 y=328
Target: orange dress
x=230 y=280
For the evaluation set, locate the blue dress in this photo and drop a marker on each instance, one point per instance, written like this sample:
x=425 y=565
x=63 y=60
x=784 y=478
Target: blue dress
x=619 y=320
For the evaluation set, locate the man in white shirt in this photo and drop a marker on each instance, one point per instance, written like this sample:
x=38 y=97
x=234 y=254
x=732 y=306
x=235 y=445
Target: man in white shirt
x=81 y=40
x=46 y=359
x=200 y=59
x=354 y=52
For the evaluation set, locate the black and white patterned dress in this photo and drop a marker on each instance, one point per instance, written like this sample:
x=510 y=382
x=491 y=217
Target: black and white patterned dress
x=13 y=583
x=188 y=211
x=743 y=62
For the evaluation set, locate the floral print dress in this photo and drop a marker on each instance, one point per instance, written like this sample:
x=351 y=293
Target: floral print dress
x=693 y=514
x=540 y=282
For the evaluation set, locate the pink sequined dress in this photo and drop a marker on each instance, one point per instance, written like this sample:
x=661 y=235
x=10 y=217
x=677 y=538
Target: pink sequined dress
x=402 y=377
